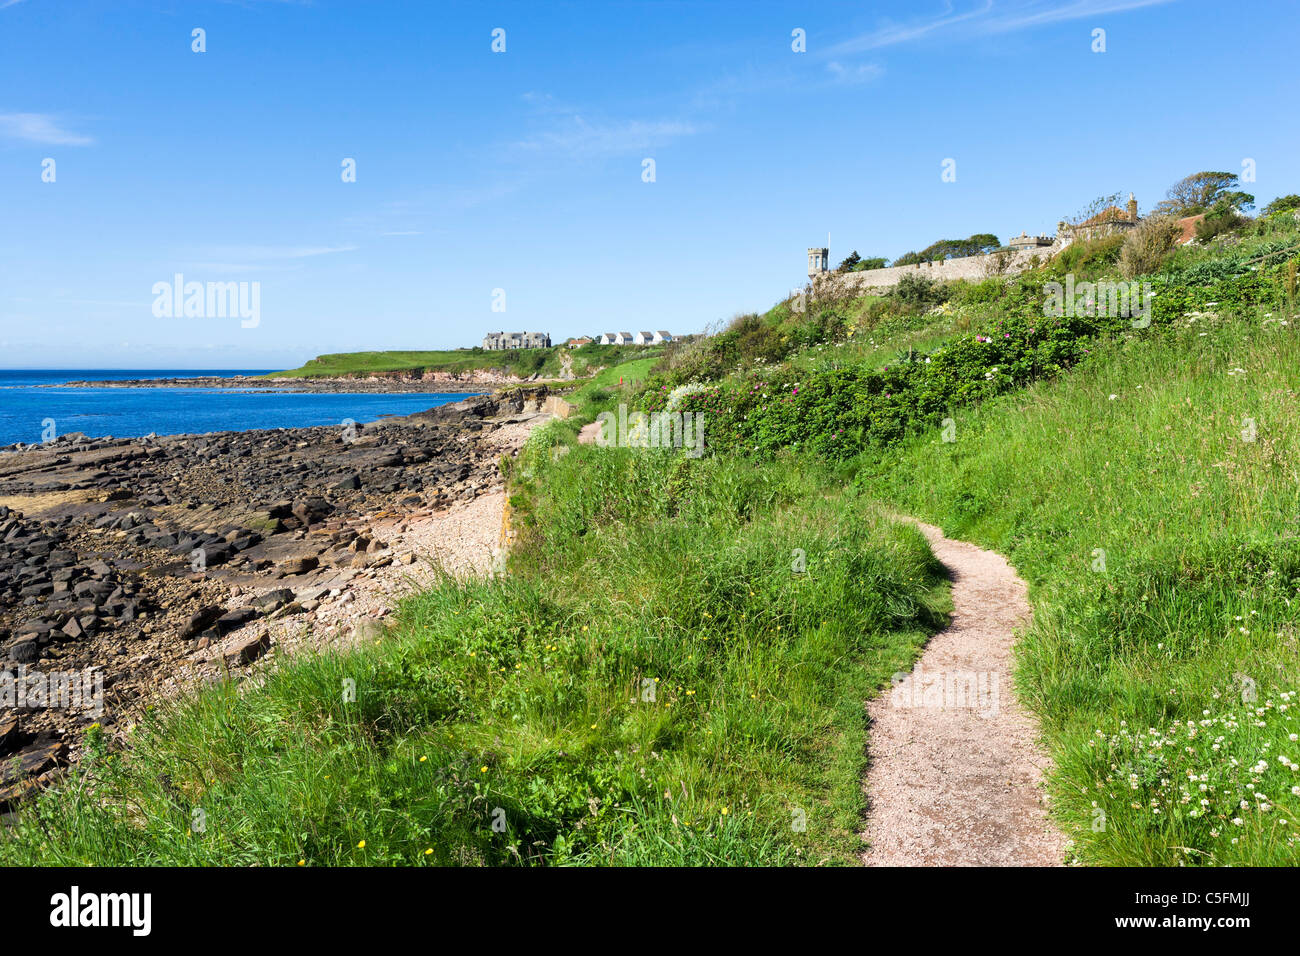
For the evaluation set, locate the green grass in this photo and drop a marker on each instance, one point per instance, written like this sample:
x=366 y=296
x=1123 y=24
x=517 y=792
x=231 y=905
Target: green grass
x=653 y=684
x=630 y=374
x=521 y=362
x=1168 y=677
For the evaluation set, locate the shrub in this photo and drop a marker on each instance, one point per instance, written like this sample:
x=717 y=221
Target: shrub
x=1144 y=249
x=917 y=292
x=1220 y=220
x=1089 y=258
x=1282 y=204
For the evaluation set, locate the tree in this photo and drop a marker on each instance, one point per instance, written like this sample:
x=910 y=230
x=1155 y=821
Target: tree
x=1222 y=217
x=1200 y=192
x=978 y=244
x=1282 y=204
x=849 y=262
x=875 y=262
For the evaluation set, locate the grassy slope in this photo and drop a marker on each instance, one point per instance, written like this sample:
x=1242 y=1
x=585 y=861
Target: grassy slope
x=1161 y=543
x=1164 y=551
x=523 y=362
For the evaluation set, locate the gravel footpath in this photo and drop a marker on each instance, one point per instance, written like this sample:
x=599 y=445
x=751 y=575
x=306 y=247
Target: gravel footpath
x=955 y=777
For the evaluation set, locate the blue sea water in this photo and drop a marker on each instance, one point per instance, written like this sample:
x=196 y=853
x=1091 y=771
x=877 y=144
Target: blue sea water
x=132 y=412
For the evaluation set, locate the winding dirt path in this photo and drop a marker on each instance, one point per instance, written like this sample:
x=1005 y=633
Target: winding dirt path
x=955 y=769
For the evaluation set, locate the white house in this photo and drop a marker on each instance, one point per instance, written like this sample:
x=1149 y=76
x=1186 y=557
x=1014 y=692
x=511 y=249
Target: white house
x=661 y=336
x=627 y=338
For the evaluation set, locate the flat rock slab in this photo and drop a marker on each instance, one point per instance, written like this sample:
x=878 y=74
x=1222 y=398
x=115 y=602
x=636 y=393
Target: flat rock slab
x=955 y=774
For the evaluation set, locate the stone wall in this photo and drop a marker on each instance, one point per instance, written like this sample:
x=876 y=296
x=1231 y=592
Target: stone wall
x=554 y=405
x=1006 y=262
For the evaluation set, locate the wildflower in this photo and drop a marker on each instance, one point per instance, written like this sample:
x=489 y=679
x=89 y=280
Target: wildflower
x=361 y=845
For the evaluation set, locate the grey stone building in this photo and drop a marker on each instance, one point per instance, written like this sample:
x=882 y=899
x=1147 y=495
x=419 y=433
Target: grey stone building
x=819 y=261
x=502 y=341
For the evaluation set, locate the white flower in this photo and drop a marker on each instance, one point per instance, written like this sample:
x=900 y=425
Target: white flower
x=1113 y=397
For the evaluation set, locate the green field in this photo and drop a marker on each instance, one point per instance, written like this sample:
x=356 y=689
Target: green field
x=546 y=363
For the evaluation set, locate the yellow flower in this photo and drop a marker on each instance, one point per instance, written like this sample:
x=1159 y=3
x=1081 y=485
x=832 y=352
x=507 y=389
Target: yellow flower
x=423 y=759
x=427 y=852
x=361 y=845
x=302 y=862
x=482 y=769
x=725 y=811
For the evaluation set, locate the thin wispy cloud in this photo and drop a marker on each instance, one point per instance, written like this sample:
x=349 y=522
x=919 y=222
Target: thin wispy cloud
x=569 y=131
x=280 y=252
x=859 y=73
x=986 y=17
x=39 y=128
x=242 y=259
x=587 y=139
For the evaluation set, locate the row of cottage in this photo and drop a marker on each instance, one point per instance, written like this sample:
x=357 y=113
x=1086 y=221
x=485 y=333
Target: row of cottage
x=635 y=338
x=503 y=341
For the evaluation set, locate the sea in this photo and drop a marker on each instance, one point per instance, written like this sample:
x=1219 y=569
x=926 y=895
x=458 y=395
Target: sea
x=28 y=411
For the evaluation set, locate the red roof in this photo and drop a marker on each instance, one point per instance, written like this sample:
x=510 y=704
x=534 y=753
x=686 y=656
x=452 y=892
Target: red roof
x=1109 y=214
x=1187 y=227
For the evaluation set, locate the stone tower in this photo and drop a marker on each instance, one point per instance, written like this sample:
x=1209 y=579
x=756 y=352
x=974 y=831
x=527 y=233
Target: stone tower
x=818 y=261
x=1132 y=208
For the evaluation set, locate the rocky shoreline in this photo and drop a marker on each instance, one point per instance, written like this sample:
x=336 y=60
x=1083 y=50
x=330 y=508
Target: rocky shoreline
x=414 y=381
x=130 y=568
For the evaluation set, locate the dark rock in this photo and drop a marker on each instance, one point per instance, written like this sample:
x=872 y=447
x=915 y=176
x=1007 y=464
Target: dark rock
x=246 y=650
x=300 y=565
x=235 y=619
x=201 y=620
x=273 y=599
x=25 y=651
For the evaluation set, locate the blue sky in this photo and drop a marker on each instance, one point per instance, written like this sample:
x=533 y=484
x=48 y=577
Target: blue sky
x=522 y=170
